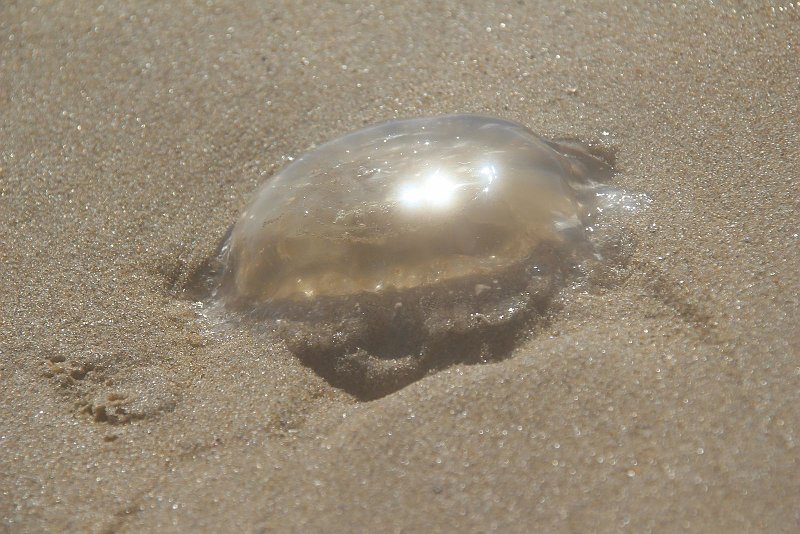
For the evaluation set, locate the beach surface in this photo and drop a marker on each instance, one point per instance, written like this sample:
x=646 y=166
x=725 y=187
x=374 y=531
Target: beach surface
x=666 y=398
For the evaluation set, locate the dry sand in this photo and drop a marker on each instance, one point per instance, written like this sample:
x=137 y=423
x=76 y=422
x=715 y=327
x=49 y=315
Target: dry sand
x=132 y=135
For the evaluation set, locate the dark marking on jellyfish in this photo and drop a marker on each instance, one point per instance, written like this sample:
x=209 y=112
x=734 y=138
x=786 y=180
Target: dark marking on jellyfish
x=372 y=344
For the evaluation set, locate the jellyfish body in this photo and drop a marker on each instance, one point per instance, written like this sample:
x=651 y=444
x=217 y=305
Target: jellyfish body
x=407 y=246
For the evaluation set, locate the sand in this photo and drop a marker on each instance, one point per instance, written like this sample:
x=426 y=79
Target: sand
x=132 y=135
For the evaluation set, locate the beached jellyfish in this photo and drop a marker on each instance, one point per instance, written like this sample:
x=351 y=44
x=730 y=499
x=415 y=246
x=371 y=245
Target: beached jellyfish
x=408 y=246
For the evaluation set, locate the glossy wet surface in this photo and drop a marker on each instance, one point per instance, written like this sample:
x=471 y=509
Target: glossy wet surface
x=407 y=204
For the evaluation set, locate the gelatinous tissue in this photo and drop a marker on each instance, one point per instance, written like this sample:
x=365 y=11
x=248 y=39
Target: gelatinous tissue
x=408 y=246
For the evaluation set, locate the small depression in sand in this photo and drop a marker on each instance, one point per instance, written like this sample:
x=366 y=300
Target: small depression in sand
x=412 y=245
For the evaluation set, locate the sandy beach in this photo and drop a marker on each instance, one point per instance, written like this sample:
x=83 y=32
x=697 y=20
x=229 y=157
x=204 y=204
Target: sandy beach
x=665 y=397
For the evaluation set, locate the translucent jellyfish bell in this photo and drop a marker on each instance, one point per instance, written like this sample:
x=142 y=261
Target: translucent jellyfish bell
x=405 y=246
x=404 y=204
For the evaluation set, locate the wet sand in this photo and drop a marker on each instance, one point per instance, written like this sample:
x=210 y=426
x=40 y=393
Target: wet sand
x=665 y=399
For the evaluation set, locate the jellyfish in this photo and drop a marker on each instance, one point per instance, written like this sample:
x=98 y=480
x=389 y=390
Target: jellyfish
x=409 y=246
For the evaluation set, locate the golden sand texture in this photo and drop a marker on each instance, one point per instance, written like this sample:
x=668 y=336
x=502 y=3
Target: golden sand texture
x=131 y=136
